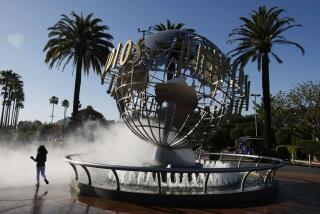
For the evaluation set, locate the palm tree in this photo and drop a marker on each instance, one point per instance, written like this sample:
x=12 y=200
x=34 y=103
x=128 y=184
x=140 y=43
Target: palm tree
x=82 y=40
x=13 y=85
x=16 y=88
x=170 y=26
x=54 y=101
x=4 y=80
x=256 y=38
x=65 y=104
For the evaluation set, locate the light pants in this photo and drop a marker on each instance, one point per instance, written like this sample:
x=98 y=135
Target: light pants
x=41 y=170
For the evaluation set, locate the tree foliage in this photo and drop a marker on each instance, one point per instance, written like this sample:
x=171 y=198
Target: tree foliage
x=304 y=99
x=297 y=111
x=90 y=114
x=169 y=26
x=310 y=147
x=238 y=126
x=54 y=100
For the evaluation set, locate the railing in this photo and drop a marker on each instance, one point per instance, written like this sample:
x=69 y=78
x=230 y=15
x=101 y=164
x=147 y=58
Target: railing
x=271 y=168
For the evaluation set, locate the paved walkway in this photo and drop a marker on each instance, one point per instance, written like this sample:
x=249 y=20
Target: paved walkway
x=299 y=193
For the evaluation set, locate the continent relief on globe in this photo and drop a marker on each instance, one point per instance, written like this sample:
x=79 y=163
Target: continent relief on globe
x=177 y=91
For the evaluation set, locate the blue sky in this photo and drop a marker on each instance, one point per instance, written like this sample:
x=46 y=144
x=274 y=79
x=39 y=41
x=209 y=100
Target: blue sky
x=23 y=34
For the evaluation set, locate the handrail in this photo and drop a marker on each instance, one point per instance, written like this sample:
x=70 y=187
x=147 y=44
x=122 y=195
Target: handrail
x=279 y=164
x=272 y=167
x=244 y=180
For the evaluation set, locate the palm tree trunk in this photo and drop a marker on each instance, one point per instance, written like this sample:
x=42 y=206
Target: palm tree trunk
x=8 y=114
x=6 y=121
x=52 y=113
x=13 y=117
x=5 y=115
x=77 y=85
x=13 y=112
x=3 y=105
x=266 y=101
x=5 y=110
x=2 y=112
x=17 y=117
x=64 y=119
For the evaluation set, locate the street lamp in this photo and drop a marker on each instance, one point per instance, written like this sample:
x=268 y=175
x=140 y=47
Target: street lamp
x=255 y=108
x=144 y=32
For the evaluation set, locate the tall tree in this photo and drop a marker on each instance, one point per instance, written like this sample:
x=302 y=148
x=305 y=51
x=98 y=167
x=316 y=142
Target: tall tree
x=12 y=87
x=16 y=93
x=4 y=81
x=54 y=101
x=304 y=99
x=255 y=38
x=83 y=40
x=65 y=104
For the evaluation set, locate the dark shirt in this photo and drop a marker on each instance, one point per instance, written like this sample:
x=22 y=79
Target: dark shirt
x=41 y=159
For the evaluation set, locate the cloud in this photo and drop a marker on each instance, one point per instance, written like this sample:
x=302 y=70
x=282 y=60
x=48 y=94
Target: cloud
x=15 y=40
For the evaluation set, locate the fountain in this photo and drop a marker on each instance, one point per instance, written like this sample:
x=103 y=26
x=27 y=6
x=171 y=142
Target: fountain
x=174 y=88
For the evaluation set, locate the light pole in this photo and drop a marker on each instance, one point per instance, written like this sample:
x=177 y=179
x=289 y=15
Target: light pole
x=144 y=32
x=255 y=109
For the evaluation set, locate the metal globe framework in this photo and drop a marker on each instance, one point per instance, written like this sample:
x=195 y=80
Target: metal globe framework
x=174 y=88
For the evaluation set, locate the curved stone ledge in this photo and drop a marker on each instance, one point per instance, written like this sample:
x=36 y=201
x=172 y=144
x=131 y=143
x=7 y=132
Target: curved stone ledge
x=183 y=200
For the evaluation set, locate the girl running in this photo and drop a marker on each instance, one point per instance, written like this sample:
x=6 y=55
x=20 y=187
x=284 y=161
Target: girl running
x=41 y=159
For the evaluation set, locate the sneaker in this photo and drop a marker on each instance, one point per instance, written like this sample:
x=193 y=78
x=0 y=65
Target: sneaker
x=47 y=182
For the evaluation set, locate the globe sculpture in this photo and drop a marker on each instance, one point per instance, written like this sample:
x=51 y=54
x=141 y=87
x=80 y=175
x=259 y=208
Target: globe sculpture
x=174 y=88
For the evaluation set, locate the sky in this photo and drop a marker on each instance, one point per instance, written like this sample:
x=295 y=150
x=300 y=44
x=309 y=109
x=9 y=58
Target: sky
x=23 y=35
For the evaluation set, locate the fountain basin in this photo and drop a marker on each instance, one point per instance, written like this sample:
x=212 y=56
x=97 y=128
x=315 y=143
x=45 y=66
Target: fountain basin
x=239 y=178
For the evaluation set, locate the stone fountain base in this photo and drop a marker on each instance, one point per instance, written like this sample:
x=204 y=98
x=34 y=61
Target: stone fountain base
x=222 y=199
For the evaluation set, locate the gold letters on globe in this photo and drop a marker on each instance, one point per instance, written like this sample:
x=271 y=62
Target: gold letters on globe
x=132 y=52
x=115 y=56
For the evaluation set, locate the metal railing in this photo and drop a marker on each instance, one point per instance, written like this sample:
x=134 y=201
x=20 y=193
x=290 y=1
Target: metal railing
x=271 y=165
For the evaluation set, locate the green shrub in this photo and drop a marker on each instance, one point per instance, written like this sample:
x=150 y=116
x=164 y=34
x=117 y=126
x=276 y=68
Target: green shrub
x=310 y=147
x=283 y=136
x=236 y=132
x=283 y=152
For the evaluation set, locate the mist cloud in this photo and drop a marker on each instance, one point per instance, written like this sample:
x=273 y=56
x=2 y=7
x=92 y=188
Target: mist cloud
x=113 y=145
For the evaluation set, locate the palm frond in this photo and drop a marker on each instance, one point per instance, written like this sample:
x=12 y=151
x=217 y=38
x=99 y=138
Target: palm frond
x=258 y=33
x=286 y=42
x=276 y=57
x=77 y=36
x=170 y=25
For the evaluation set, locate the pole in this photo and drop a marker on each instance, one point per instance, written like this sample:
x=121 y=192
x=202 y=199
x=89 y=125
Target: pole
x=144 y=32
x=52 y=113
x=255 y=114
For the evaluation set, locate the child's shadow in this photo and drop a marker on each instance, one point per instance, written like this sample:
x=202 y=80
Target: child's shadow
x=38 y=200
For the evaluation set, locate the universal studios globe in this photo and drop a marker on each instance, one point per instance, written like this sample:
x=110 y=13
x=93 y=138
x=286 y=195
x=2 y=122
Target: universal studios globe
x=174 y=88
